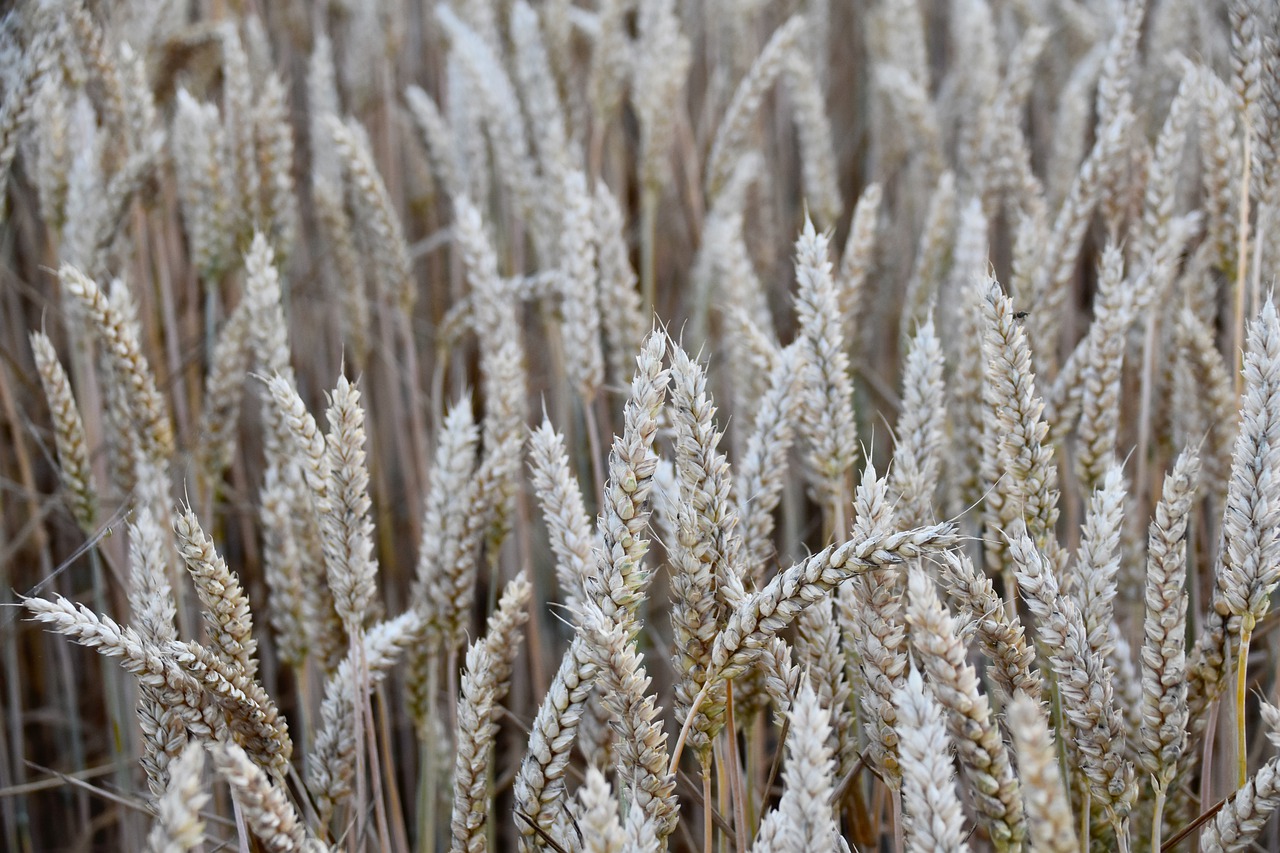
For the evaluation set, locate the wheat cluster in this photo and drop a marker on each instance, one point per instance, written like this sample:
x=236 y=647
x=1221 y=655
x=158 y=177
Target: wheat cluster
x=632 y=425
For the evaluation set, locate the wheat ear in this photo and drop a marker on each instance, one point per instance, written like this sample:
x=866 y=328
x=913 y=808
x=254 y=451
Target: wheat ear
x=1164 y=659
x=267 y=809
x=804 y=818
x=225 y=602
x=485 y=682
x=596 y=815
x=998 y=628
x=120 y=337
x=760 y=617
x=930 y=804
x=1251 y=558
x=68 y=432
x=568 y=528
x=1049 y=822
x=331 y=762
x=984 y=759
x=617 y=587
x=826 y=420
x=178 y=826
x=1234 y=828
x=1095 y=724
x=153 y=609
x=642 y=743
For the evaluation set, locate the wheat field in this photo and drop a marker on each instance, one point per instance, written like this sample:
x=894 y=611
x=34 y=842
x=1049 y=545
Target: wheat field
x=639 y=425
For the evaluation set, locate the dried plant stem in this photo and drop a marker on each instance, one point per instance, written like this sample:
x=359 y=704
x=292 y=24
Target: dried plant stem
x=1242 y=664
x=1242 y=253
x=735 y=774
x=648 y=226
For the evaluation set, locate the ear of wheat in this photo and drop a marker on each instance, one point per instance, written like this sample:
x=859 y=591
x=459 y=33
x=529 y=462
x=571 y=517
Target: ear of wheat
x=639 y=425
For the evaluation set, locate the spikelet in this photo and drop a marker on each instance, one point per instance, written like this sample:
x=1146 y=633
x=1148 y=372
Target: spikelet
x=936 y=239
x=1160 y=196
x=153 y=609
x=273 y=140
x=662 y=60
x=759 y=480
x=731 y=134
x=762 y=615
x=224 y=390
x=965 y=401
x=297 y=484
x=1053 y=278
x=622 y=314
x=620 y=579
x=580 y=288
x=20 y=99
x=446 y=554
x=237 y=97
x=596 y=815
x=1221 y=166
x=910 y=105
x=335 y=225
x=819 y=653
x=1234 y=828
x=437 y=138
x=1211 y=377
x=204 y=185
x=818 y=170
x=52 y=132
x=539 y=788
x=704 y=552
x=538 y=92
x=641 y=755
x=1093 y=581
x=1101 y=372
x=1017 y=463
x=616 y=588
x=998 y=628
x=857 y=260
x=501 y=109
x=210 y=698
x=871 y=618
